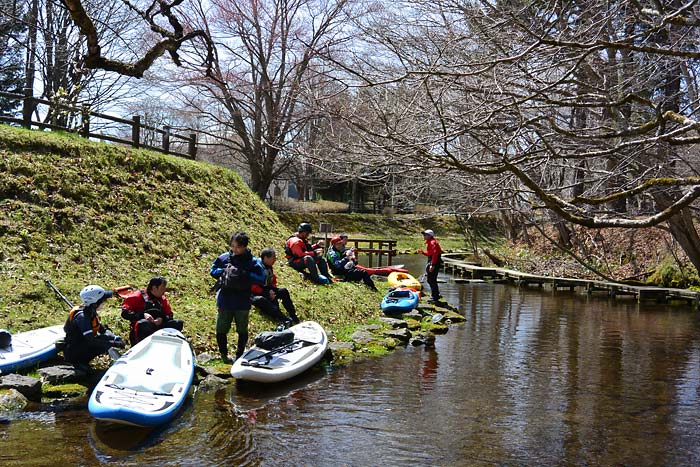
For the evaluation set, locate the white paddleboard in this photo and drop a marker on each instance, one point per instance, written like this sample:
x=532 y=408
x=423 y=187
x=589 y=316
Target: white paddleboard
x=269 y=366
x=29 y=348
x=148 y=384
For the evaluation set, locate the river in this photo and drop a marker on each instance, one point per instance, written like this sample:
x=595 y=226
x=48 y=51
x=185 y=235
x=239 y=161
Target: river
x=532 y=378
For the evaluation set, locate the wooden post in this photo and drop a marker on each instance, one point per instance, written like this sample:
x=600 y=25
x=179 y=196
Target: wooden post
x=166 y=139
x=136 y=131
x=85 y=116
x=192 y=149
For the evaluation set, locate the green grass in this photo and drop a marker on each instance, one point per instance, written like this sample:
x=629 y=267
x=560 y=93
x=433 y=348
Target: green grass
x=79 y=213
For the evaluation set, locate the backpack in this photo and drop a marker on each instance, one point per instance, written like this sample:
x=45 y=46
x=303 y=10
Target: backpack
x=273 y=340
x=5 y=339
x=235 y=279
x=287 y=250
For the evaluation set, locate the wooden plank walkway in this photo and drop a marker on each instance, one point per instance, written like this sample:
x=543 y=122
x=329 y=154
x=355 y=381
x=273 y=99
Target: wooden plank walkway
x=458 y=267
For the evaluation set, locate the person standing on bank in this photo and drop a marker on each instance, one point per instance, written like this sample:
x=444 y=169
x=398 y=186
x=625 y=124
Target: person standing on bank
x=303 y=256
x=268 y=296
x=149 y=310
x=86 y=336
x=236 y=272
x=434 y=254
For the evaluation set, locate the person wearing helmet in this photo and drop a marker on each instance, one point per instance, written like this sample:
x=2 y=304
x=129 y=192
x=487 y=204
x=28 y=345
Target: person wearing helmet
x=434 y=254
x=343 y=262
x=303 y=256
x=86 y=337
x=149 y=310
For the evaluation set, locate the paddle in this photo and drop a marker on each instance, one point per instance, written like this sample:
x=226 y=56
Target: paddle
x=58 y=292
x=113 y=354
x=280 y=349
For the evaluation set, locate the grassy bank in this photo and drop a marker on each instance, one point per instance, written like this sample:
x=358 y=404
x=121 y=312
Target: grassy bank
x=78 y=213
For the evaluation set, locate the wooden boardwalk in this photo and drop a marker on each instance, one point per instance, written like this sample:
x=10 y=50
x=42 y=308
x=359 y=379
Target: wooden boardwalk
x=459 y=267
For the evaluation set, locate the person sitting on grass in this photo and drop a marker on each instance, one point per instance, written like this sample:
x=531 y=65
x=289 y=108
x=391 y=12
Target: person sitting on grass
x=343 y=262
x=266 y=297
x=149 y=310
x=302 y=256
x=86 y=337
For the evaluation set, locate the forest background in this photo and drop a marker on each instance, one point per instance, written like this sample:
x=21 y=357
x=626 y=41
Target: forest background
x=574 y=122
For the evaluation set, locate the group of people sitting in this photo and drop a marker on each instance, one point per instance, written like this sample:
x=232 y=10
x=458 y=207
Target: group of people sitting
x=243 y=280
x=309 y=259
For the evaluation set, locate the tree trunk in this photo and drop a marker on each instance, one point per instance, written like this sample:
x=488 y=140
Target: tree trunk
x=31 y=55
x=682 y=229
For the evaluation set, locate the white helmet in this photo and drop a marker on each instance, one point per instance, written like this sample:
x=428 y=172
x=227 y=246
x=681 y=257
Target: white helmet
x=94 y=294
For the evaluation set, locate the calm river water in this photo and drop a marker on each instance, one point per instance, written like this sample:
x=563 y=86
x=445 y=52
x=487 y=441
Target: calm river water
x=533 y=378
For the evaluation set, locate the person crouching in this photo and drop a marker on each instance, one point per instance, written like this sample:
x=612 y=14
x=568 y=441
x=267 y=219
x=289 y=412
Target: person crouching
x=86 y=336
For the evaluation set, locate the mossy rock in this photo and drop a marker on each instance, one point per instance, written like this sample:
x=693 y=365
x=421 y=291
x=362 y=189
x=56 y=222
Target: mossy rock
x=11 y=400
x=64 y=390
x=454 y=317
x=342 y=355
x=373 y=350
x=390 y=343
x=413 y=324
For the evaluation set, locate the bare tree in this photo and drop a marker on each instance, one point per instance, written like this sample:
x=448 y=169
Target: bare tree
x=154 y=14
x=266 y=52
x=587 y=105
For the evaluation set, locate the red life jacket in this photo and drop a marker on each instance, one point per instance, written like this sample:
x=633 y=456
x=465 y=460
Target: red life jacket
x=94 y=323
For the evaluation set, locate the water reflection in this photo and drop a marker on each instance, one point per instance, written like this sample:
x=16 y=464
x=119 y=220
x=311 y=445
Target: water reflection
x=531 y=378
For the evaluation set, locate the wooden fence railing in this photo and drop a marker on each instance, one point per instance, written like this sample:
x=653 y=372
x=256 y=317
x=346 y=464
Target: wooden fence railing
x=169 y=141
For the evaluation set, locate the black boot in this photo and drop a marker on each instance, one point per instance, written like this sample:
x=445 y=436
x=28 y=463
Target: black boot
x=223 y=347
x=240 y=348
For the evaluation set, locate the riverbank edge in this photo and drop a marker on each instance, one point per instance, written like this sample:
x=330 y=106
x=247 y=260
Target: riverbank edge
x=57 y=384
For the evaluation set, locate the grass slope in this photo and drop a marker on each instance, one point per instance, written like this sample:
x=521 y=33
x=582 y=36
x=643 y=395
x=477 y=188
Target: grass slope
x=78 y=213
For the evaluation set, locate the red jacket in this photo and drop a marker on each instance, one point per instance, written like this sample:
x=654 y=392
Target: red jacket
x=134 y=306
x=433 y=251
x=299 y=248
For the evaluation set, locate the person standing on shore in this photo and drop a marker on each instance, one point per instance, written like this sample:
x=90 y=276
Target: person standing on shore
x=236 y=271
x=434 y=254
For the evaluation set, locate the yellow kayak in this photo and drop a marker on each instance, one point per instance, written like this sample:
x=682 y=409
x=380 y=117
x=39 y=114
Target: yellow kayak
x=403 y=279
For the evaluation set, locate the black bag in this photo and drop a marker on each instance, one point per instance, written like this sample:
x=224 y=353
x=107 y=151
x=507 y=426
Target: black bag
x=5 y=339
x=273 y=340
x=235 y=279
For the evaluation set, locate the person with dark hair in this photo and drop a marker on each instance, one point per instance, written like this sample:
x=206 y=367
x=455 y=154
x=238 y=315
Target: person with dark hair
x=303 y=256
x=236 y=272
x=266 y=297
x=149 y=310
x=343 y=262
x=86 y=337
x=434 y=254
